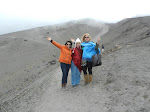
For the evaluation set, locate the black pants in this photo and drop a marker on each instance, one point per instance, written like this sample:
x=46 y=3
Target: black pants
x=89 y=67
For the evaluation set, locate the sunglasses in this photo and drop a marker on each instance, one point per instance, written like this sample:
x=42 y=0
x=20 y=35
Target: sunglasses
x=86 y=37
x=68 y=44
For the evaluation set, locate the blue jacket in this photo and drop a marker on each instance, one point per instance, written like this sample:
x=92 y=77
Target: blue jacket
x=89 y=50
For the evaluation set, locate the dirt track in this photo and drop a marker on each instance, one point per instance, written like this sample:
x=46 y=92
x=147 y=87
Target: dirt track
x=121 y=84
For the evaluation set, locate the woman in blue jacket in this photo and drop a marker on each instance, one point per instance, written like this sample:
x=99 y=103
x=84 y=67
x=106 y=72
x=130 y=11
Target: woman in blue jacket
x=89 y=49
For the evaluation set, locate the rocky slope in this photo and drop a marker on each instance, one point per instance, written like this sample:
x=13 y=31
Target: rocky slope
x=31 y=82
x=27 y=56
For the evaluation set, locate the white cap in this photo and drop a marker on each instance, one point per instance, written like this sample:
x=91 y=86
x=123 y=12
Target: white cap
x=77 y=40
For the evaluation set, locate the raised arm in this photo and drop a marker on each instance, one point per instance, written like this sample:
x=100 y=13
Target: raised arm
x=54 y=43
x=97 y=43
x=72 y=40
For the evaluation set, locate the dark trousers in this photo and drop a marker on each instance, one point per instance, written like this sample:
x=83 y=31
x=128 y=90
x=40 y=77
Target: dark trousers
x=89 y=67
x=65 y=69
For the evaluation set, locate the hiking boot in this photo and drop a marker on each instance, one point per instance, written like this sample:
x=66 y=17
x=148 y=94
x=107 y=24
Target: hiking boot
x=90 y=79
x=86 y=79
x=65 y=86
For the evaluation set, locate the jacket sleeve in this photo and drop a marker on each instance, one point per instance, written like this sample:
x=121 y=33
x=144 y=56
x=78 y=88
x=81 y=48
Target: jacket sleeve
x=57 y=44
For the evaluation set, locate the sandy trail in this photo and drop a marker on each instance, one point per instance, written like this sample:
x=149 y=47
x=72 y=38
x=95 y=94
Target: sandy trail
x=83 y=98
x=121 y=84
x=118 y=86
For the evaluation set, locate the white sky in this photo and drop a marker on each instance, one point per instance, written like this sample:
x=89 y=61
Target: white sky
x=62 y=10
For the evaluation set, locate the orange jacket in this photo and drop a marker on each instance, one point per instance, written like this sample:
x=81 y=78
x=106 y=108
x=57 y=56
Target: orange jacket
x=65 y=54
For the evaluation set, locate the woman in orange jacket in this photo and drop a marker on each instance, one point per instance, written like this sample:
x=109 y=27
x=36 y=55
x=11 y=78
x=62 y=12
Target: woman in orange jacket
x=64 y=59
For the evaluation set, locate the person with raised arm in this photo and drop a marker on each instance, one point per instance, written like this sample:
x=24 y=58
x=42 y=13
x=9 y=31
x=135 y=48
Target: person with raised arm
x=76 y=63
x=64 y=59
x=89 y=49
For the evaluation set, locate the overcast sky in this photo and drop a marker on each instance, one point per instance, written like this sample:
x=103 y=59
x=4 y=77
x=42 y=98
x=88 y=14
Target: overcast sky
x=56 y=11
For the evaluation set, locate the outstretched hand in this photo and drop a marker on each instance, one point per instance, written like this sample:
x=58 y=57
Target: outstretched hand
x=49 y=38
x=98 y=41
x=72 y=40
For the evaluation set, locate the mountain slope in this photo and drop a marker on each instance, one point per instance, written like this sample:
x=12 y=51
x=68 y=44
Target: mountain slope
x=127 y=31
x=121 y=84
x=26 y=56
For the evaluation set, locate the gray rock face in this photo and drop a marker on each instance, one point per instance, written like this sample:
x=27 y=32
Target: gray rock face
x=30 y=75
